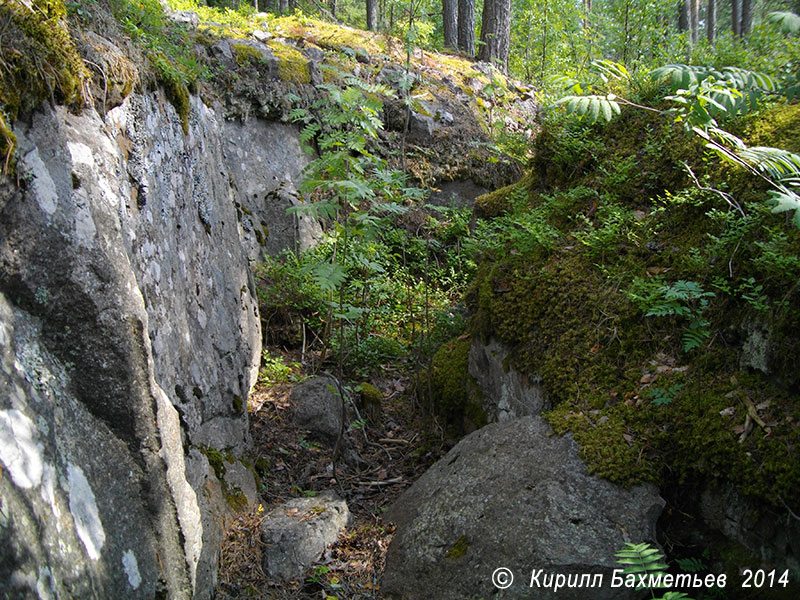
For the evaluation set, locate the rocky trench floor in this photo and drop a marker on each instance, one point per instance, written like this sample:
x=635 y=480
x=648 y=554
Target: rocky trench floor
x=395 y=453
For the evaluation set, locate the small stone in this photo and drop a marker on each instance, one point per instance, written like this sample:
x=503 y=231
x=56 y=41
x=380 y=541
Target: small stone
x=297 y=533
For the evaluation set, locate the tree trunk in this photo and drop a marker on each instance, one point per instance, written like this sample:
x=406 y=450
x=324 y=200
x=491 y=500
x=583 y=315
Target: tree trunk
x=496 y=33
x=450 y=23
x=747 y=17
x=587 y=9
x=694 y=19
x=711 y=22
x=283 y=6
x=736 y=18
x=466 y=27
x=683 y=16
x=372 y=15
x=332 y=7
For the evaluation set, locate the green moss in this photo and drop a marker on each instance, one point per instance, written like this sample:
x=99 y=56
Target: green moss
x=329 y=36
x=234 y=497
x=292 y=65
x=778 y=126
x=565 y=315
x=217 y=459
x=39 y=61
x=494 y=204
x=370 y=393
x=259 y=237
x=455 y=395
x=178 y=94
x=459 y=549
x=237 y=404
x=246 y=55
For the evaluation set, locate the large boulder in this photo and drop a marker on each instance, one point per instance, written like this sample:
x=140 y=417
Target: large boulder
x=512 y=495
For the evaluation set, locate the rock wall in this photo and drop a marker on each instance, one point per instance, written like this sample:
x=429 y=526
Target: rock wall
x=129 y=340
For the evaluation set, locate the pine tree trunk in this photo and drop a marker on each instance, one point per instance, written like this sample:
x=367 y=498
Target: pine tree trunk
x=683 y=16
x=495 y=33
x=694 y=19
x=283 y=6
x=747 y=17
x=450 y=23
x=736 y=18
x=711 y=22
x=372 y=15
x=332 y=7
x=466 y=27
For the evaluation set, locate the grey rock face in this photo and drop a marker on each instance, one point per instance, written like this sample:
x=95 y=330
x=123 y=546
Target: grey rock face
x=772 y=539
x=512 y=495
x=128 y=333
x=68 y=525
x=296 y=533
x=318 y=407
x=507 y=394
x=265 y=163
x=458 y=194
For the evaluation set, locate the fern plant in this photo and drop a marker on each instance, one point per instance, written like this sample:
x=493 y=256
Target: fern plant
x=700 y=95
x=644 y=559
x=683 y=299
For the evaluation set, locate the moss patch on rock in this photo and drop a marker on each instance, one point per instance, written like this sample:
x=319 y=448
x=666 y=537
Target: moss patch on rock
x=246 y=55
x=456 y=397
x=39 y=62
x=292 y=65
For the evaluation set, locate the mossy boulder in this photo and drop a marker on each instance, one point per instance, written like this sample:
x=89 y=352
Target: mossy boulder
x=292 y=65
x=642 y=406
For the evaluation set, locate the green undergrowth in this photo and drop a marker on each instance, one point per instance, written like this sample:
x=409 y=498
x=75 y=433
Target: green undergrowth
x=657 y=314
x=405 y=284
x=167 y=46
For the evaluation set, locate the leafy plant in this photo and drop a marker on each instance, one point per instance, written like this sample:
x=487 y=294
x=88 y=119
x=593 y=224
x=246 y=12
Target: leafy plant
x=684 y=299
x=662 y=396
x=643 y=559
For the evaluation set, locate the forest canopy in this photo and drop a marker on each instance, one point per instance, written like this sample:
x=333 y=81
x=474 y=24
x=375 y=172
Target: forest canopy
x=535 y=40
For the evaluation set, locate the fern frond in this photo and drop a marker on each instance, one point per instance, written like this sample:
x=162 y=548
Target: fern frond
x=593 y=106
x=785 y=200
x=608 y=69
x=682 y=77
x=744 y=79
x=774 y=162
x=640 y=558
x=788 y=21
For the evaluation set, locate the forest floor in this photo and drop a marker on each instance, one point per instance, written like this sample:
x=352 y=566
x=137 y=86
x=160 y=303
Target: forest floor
x=395 y=453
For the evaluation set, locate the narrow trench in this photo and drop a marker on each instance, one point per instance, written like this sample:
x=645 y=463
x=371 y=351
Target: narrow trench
x=384 y=457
